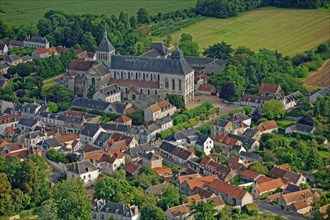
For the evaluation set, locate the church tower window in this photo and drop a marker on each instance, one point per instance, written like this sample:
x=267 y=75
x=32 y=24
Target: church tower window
x=173 y=84
x=166 y=83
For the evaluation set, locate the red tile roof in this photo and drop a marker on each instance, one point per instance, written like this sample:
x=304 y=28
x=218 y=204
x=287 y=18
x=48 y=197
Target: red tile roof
x=123 y=119
x=206 y=88
x=131 y=168
x=200 y=182
x=300 y=205
x=81 y=65
x=233 y=191
x=263 y=179
x=161 y=171
x=253 y=98
x=268 y=125
x=226 y=140
x=297 y=196
x=284 y=166
x=191 y=176
x=249 y=174
x=277 y=172
x=5 y=119
x=10 y=129
x=67 y=138
x=74 y=113
x=266 y=87
x=234 y=164
x=271 y=185
x=51 y=50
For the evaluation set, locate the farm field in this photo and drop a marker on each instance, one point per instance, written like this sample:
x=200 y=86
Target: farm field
x=16 y=12
x=285 y=30
x=320 y=77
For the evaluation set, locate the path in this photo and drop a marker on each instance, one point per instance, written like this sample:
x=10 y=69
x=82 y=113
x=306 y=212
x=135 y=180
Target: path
x=276 y=210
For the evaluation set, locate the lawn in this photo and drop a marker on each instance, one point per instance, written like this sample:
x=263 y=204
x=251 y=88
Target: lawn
x=285 y=123
x=288 y=31
x=16 y=12
x=50 y=82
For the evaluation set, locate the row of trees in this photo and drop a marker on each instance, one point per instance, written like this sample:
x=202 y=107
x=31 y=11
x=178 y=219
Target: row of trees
x=246 y=69
x=231 y=8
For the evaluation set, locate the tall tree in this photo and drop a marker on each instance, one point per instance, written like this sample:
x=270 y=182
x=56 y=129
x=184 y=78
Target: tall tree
x=48 y=210
x=203 y=210
x=219 y=50
x=143 y=16
x=5 y=195
x=273 y=109
x=187 y=45
x=72 y=201
x=170 y=198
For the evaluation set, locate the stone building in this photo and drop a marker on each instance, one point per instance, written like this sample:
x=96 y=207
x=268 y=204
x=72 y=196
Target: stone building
x=136 y=77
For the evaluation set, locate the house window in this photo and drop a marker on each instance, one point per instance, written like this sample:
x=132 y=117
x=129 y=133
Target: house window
x=93 y=81
x=166 y=83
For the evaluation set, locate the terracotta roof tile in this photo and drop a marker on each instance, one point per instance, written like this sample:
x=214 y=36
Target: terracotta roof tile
x=67 y=138
x=268 y=125
x=234 y=164
x=130 y=110
x=297 y=196
x=200 y=182
x=228 y=189
x=51 y=50
x=249 y=174
x=226 y=140
x=10 y=129
x=5 y=119
x=263 y=179
x=74 y=113
x=161 y=171
x=284 y=166
x=266 y=87
x=193 y=198
x=206 y=88
x=81 y=65
x=179 y=210
x=300 y=205
x=274 y=197
x=123 y=119
x=186 y=177
x=277 y=172
x=270 y=185
x=130 y=168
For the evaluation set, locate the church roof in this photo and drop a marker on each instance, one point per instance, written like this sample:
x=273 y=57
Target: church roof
x=105 y=45
x=175 y=65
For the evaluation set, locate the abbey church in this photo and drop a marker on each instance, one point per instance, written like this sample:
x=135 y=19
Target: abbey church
x=157 y=72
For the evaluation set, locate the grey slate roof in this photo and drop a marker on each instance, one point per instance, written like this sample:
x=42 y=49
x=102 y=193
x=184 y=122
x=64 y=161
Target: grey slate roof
x=49 y=143
x=321 y=92
x=3 y=81
x=37 y=39
x=157 y=49
x=118 y=209
x=27 y=122
x=145 y=102
x=176 y=65
x=90 y=104
x=252 y=156
x=150 y=156
x=2 y=45
x=11 y=58
x=82 y=167
x=103 y=137
x=101 y=69
x=109 y=90
x=301 y=128
x=35 y=134
x=221 y=123
x=115 y=127
x=118 y=106
x=247 y=142
x=179 y=135
x=105 y=45
x=239 y=117
x=89 y=129
x=204 y=60
x=250 y=132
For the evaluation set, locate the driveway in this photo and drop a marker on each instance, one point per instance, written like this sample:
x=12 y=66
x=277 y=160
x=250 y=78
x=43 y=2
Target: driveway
x=276 y=210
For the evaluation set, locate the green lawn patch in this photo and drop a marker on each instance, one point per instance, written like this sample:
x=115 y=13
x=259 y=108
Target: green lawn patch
x=285 y=123
x=17 y=12
x=50 y=82
x=287 y=30
x=324 y=153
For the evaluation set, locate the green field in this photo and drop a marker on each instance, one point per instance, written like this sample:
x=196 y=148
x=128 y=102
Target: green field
x=16 y=12
x=285 y=30
x=50 y=82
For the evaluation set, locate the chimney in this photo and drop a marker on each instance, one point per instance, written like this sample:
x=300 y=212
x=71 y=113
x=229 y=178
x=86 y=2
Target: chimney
x=83 y=154
x=136 y=210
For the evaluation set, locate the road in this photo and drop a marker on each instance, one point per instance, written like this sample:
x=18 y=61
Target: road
x=276 y=210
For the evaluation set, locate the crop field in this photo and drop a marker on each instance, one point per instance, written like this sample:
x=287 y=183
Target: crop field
x=16 y=12
x=285 y=30
x=320 y=77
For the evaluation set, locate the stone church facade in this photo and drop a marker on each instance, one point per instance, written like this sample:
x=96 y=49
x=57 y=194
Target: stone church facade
x=136 y=77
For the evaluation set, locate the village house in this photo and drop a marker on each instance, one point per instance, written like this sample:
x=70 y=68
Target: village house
x=8 y=121
x=84 y=170
x=3 y=49
x=230 y=194
x=4 y=66
x=183 y=211
x=300 y=128
x=131 y=169
x=110 y=210
x=109 y=93
x=157 y=189
x=253 y=100
x=159 y=110
x=290 y=176
x=249 y=143
x=271 y=91
x=30 y=110
x=107 y=107
x=227 y=126
x=268 y=127
x=124 y=120
x=191 y=137
x=206 y=65
x=188 y=185
x=25 y=124
x=43 y=53
x=312 y=97
x=206 y=89
x=152 y=160
x=299 y=201
x=267 y=187
x=249 y=176
x=174 y=153
x=248 y=157
x=89 y=133
x=34 y=137
x=36 y=42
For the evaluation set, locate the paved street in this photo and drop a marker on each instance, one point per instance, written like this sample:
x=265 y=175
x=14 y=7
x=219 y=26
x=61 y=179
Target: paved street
x=276 y=210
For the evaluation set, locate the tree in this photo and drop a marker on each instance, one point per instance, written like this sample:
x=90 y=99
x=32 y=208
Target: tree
x=203 y=210
x=143 y=16
x=228 y=92
x=72 y=201
x=189 y=47
x=137 y=117
x=91 y=92
x=52 y=106
x=169 y=198
x=5 y=195
x=18 y=200
x=273 y=109
x=176 y=100
x=221 y=51
x=259 y=168
x=306 y=120
x=152 y=212
x=48 y=210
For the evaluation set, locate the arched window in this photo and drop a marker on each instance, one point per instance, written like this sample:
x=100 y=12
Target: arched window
x=173 y=84
x=166 y=83
x=93 y=81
